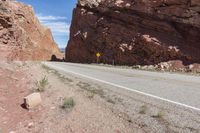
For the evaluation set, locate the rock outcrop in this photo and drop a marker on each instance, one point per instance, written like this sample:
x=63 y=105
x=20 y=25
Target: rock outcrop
x=131 y=32
x=22 y=37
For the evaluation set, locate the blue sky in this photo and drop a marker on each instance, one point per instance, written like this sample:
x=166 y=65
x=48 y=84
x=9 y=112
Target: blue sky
x=56 y=14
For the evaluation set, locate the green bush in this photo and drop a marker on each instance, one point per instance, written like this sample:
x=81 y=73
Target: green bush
x=68 y=103
x=159 y=115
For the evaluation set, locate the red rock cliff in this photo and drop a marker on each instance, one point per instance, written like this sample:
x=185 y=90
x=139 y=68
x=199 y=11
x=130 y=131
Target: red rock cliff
x=135 y=31
x=22 y=37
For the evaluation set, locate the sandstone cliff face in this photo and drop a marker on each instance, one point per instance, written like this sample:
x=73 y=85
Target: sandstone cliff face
x=135 y=31
x=22 y=37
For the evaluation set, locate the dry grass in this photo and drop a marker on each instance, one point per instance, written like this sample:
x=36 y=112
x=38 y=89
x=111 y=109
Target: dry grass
x=159 y=114
x=41 y=85
x=143 y=109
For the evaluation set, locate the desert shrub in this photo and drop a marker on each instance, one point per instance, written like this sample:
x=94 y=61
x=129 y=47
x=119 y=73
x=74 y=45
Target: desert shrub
x=68 y=103
x=159 y=115
x=41 y=85
x=143 y=109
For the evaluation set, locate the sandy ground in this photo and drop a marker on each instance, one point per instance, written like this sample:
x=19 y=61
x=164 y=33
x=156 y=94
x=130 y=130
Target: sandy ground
x=98 y=108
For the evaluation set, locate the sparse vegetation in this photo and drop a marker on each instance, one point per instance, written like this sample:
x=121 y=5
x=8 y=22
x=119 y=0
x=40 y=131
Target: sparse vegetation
x=60 y=76
x=63 y=78
x=92 y=90
x=130 y=121
x=41 y=85
x=68 y=103
x=110 y=101
x=159 y=114
x=91 y=95
x=143 y=109
x=46 y=67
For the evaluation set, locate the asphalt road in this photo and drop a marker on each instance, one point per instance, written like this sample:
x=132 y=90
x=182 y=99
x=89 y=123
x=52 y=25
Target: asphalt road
x=183 y=90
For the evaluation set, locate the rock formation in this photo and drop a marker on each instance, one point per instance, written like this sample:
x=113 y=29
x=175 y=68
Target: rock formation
x=135 y=31
x=22 y=37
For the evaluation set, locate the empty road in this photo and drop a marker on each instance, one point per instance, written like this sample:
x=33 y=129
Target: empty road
x=183 y=90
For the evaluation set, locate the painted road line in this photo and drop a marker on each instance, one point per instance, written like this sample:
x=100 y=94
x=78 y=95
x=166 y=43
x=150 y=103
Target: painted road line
x=126 y=88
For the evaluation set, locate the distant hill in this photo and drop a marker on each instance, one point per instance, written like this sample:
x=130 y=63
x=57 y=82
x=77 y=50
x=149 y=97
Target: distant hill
x=62 y=50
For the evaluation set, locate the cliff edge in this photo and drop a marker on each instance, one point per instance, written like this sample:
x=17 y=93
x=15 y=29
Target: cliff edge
x=130 y=32
x=22 y=37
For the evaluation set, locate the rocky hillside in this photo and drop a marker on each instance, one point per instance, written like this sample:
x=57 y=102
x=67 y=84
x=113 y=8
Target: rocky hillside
x=22 y=37
x=135 y=31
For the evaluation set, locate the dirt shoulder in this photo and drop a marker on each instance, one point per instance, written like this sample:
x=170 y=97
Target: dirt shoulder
x=96 y=109
x=15 y=84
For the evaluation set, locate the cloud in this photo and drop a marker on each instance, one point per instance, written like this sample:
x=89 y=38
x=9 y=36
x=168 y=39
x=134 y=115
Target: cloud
x=49 y=18
x=57 y=24
x=58 y=28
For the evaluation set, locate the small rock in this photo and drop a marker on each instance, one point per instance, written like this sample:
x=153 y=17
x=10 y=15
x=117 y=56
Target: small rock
x=30 y=125
x=144 y=67
x=150 y=67
x=191 y=66
x=164 y=65
x=136 y=67
x=53 y=108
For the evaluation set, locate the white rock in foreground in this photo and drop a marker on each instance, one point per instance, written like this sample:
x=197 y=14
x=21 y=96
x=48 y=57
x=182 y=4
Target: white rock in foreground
x=32 y=100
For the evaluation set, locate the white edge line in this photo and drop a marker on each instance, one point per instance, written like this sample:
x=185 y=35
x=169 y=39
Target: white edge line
x=126 y=88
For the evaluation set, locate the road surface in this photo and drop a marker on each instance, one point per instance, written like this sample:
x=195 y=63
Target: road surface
x=183 y=90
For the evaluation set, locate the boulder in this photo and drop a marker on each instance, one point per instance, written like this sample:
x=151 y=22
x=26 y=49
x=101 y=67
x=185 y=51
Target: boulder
x=32 y=100
x=195 y=68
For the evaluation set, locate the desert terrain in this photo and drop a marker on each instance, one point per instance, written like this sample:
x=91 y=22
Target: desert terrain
x=96 y=107
x=128 y=67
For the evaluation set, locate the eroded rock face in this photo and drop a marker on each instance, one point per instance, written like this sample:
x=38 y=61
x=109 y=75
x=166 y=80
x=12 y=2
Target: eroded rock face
x=135 y=31
x=22 y=37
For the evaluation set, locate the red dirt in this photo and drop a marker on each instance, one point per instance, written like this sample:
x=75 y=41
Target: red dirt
x=13 y=87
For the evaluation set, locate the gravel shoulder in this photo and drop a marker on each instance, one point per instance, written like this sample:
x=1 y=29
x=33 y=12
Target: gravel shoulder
x=99 y=108
x=158 y=116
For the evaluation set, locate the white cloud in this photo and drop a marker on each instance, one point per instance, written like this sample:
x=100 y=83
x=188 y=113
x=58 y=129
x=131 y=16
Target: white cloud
x=49 y=18
x=58 y=28
x=57 y=24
